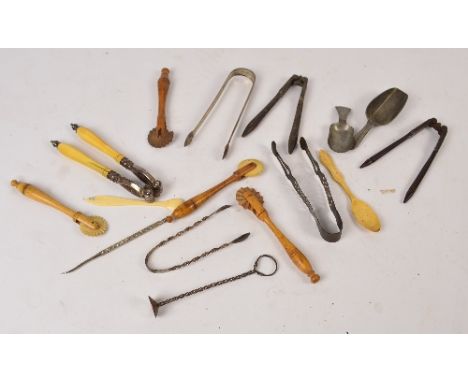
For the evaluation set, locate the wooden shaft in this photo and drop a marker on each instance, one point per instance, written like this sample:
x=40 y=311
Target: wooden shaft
x=163 y=88
x=251 y=200
x=192 y=204
x=297 y=257
x=40 y=196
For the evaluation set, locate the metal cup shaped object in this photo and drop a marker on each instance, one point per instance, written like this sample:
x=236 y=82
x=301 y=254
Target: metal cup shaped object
x=341 y=135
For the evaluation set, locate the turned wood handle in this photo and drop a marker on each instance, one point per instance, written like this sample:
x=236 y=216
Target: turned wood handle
x=252 y=200
x=192 y=204
x=297 y=257
x=336 y=174
x=163 y=88
x=40 y=196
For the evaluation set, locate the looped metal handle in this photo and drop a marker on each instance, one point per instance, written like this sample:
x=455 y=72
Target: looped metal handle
x=257 y=265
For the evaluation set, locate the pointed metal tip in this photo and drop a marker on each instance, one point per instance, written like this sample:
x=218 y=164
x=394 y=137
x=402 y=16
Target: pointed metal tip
x=222 y=208
x=246 y=131
x=226 y=149
x=365 y=164
x=407 y=196
x=154 y=305
x=74 y=126
x=291 y=147
x=189 y=139
x=241 y=238
x=55 y=143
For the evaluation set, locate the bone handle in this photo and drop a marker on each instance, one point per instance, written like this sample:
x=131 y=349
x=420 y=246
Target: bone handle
x=94 y=140
x=163 y=88
x=40 y=196
x=113 y=201
x=80 y=157
x=337 y=176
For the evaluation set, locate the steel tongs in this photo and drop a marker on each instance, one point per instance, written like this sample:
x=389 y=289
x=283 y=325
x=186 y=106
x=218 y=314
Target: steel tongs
x=244 y=72
x=149 y=190
x=430 y=123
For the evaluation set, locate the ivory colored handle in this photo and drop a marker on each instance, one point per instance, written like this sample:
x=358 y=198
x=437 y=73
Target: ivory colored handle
x=163 y=88
x=40 y=196
x=78 y=156
x=113 y=201
x=336 y=174
x=90 y=137
x=297 y=257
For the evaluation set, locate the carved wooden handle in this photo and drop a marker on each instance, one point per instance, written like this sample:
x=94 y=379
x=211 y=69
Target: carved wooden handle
x=40 y=196
x=163 y=88
x=297 y=257
x=252 y=200
x=192 y=204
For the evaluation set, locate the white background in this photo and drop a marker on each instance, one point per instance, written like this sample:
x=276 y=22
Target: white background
x=410 y=277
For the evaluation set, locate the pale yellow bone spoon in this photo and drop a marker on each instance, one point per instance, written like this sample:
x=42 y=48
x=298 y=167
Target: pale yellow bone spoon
x=114 y=201
x=363 y=213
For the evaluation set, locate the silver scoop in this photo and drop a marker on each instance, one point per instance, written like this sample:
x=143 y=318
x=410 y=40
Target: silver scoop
x=381 y=111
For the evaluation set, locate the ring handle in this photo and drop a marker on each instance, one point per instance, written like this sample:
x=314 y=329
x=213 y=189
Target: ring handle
x=257 y=264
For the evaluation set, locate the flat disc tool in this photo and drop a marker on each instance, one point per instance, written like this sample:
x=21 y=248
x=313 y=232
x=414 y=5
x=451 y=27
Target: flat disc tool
x=256 y=171
x=99 y=222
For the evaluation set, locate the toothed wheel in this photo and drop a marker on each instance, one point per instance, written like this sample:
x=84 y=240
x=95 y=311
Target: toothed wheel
x=100 y=223
x=245 y=195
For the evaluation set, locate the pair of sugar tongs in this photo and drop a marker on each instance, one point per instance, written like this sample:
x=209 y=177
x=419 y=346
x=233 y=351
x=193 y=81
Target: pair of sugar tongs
x=430 y=123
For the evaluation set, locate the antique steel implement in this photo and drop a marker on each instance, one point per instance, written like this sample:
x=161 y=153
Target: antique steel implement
x=244 y=72
x=326 y=235
x=182 y=232
x=155 y=305
x=382 y=110
x=341 y=135
x=294 y=80
x=431 y=124
x=149 y=190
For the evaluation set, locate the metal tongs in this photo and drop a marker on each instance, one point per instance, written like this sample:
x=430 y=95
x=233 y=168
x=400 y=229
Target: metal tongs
x=149 y=190
x=326 y=235
x=294 y=80
x=243 y=72
x=430 y=123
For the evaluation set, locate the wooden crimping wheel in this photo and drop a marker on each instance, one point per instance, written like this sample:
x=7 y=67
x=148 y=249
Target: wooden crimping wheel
x=160 y=136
